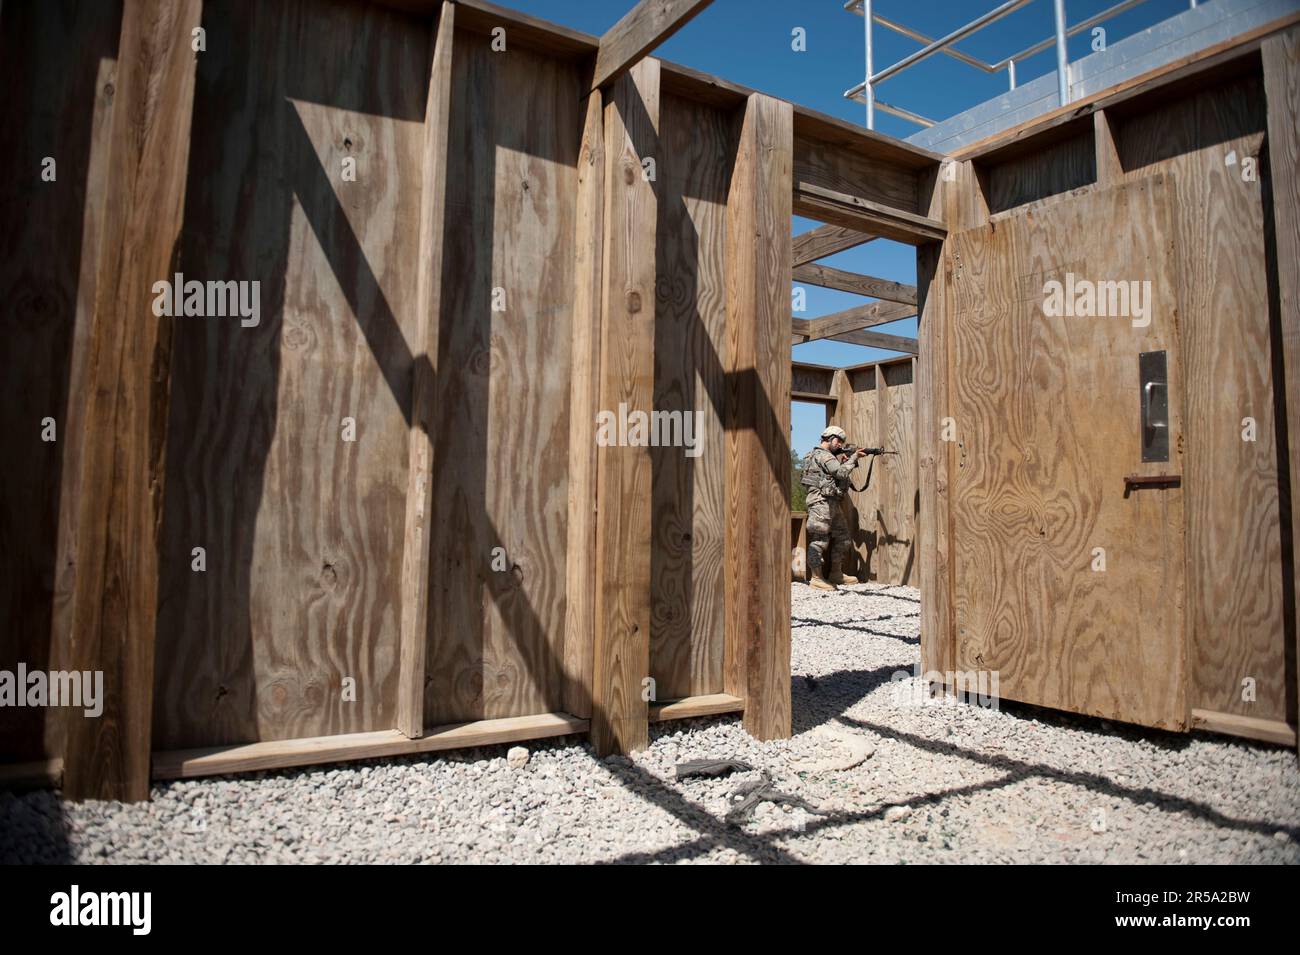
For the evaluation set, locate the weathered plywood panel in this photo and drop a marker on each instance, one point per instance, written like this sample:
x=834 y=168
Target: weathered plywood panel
x=1281 y=58
x=1234 y=564
x=756 y=663
x=688 y=522
x=877 y=409
x=1068 y=164
x=897 y=476
x=58 y=104
x=1047 y=425
x=501 y=444
x=621 y=658
x=858 y=413
x=302 y=529
x=842 y=169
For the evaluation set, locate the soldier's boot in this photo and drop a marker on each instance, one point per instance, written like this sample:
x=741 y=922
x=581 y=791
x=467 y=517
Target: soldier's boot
x=839 y=577
x=818 y=582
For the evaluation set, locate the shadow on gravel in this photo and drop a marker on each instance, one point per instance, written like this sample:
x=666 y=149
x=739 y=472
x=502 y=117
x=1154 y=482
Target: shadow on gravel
x=824 y=698
x=33 y=829
x=1017 y=770
x=858 y=626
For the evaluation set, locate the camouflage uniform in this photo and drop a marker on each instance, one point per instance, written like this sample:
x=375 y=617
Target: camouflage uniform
x=827 y=482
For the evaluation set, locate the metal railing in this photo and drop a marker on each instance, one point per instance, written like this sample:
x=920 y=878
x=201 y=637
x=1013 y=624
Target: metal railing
x=865 y=92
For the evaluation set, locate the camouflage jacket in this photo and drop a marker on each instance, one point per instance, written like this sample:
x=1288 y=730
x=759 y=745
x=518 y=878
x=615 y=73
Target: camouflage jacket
x=824 y=476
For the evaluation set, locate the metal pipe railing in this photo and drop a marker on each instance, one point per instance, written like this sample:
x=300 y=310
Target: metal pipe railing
x=865 y=91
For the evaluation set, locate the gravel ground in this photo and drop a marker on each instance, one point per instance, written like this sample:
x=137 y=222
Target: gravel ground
x=940 y=782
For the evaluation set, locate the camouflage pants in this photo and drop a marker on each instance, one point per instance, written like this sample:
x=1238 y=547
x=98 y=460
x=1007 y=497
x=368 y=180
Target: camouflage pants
x=827 y=530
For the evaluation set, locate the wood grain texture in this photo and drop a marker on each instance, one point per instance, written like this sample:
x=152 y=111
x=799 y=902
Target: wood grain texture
x=282 y=754
x=757 y=659
x=1047 y=422
x=812 y=379
x=956 y=198
x=697 y=150
x=709 y=704
x=501 y=453
x=623 y=523
x=823 y=241
x=828 y=277
x=1060 y=167
x=59 y=103
x=858 y=318
x=1235 y=573
x=419 y=489
x=814 y=201
x=584 y=398
x=1281 y=56
x=876 y=408
x=303 y=530
x=116 y=591
x=845 y=168
x=640 y=30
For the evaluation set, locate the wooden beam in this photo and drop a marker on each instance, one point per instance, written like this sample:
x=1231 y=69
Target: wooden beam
x=116 y=592
x=854 y=212
x=621 y=653
x=1249 y=727
x=284 y=753
x=409 y=718
x=584 y=396
x=827 y=277
x=899 y=343
x=1281 y=58
x=708 y=705
x=756 y=656
x=823 y=241
x=642 y=29
x=859 y=317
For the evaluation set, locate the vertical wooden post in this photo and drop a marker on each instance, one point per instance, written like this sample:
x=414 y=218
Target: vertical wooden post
x=621 y=652
x=584 y=395
x=419 y=489
x=759 y=206
x=956 y=199
x=116 y=592
x=1109 y=170
x=884 y=550
x=1281 y=55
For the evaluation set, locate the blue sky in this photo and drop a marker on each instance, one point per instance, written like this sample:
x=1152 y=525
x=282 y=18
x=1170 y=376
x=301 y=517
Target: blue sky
x=749 y=42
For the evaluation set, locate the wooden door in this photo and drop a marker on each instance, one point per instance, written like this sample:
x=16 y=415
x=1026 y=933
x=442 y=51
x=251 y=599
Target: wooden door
x=1068 y=577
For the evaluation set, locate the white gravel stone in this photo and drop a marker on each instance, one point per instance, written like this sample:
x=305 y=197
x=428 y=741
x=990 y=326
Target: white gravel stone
x=1005 y=784
x=517 y=757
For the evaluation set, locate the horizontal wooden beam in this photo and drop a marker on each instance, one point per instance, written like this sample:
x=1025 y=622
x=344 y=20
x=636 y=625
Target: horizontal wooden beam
x=850 y=320
x=1250 y=727
x=280 y=754
x=827 y=277
x=898 y=343
x=707 y=705
x=862 y=215
x=642 y=29
x=878 y=340
x=40 y=774
x=823 y=241
x=858 y=317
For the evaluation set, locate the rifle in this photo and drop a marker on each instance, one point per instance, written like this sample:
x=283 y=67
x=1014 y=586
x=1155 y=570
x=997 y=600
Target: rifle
x=868 y=452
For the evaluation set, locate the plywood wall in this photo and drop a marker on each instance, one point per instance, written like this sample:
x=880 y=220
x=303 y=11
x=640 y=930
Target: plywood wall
x=501 y=441
x=688 y=520
x=58 y=106
x=1234 y=547
x=301 y=526
x=876 y=407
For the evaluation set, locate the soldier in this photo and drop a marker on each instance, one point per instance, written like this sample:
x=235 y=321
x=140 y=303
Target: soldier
x=826 y=472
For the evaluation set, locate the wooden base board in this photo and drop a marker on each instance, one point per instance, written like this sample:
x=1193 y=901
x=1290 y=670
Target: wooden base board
x=1268 y=731
x=279 y=754
x=709 y=705
x=37 y=775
